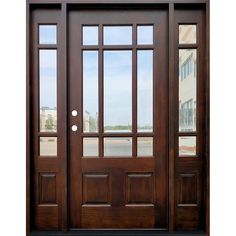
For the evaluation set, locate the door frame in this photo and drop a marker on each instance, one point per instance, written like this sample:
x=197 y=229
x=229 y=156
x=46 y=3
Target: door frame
x=64 y=5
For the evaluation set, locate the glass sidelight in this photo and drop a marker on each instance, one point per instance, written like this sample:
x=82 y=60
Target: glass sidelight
x=188 y=90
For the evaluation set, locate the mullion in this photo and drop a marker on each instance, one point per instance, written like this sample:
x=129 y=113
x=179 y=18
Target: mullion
x=100 y=93
x=134 y=91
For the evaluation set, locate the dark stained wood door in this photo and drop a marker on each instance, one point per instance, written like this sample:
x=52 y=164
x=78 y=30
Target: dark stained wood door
x=118 y=103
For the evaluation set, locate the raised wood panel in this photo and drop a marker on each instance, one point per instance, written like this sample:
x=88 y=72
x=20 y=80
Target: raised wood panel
x=140 y=188
x=46 y=217
x=187 y=189
x=96 y=189
x=118 y=217
x=47 y=188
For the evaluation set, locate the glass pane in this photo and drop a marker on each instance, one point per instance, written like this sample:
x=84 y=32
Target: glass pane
x=187 y=34
x=90 y=35
x=187 y=146
x=145 y=90
x=48 y=90
x=117 y=147
x=117 y=91
x=48 y=146
x=90 y=91
x=187 y=89
x=47 y=34
x=145 y=146
x=117 y=35
x=90 y=147
x=145 y=34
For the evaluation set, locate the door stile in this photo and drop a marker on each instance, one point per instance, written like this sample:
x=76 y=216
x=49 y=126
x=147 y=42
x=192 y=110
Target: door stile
x=171 y=118
x=62 y=116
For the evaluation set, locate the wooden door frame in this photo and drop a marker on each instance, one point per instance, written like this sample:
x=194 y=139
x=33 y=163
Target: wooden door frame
x=63 y=6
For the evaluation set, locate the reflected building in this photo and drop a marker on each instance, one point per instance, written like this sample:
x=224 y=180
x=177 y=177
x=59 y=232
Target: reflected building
x=187 y=80
x=48 y=119
x=90 y=123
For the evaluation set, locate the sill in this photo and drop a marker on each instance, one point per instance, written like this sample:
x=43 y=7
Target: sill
x=95 y=232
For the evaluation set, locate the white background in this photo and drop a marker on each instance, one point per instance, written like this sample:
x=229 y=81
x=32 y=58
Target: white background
x=12 y=117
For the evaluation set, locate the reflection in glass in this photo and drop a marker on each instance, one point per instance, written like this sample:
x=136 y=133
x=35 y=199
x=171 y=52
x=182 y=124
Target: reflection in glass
x=145 y=34
x=48 y=146
x=117 y=35
x=117 y=91
x=47 y=34
x=117 y=147
x=48 y=90
x=90 y=35
x=145 y=146
x=187 y=89
x=187 y=34
x=187 y=146
x=90 y=147
x=145 y=90
x=90 y=91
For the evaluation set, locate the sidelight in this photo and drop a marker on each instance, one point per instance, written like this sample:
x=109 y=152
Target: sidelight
x=187 y=34
x=47 y=34
x=48 y=146
x=48 y=90
x=187 y=89
x=187 y=146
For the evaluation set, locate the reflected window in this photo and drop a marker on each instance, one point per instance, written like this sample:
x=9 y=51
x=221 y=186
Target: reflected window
x=117 y=91
x=187 y=89
x=187 y=146
x=117 y=35
x=47 y=34
x=145 y=34
x=90 y=147
x=118 y=147
x=48 y=90
x=90 y=91
x=90 y=35
x=187 y=34
x=48 y=146
x=145 y=90
x=145 y=146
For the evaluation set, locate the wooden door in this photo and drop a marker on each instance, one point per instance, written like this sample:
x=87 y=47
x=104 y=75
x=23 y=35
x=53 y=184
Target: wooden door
x=117 y=76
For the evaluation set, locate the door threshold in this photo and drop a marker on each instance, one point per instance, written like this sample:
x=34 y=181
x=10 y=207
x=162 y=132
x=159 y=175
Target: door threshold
x=98 y=232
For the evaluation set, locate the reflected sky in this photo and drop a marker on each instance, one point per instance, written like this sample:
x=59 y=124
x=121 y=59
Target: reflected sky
x=145 y=34
x=117 y=35
x=47 y=34
x=145 y=90
x=118 y=88
x=90 y=90
x=48 y=78
x=90 y=35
